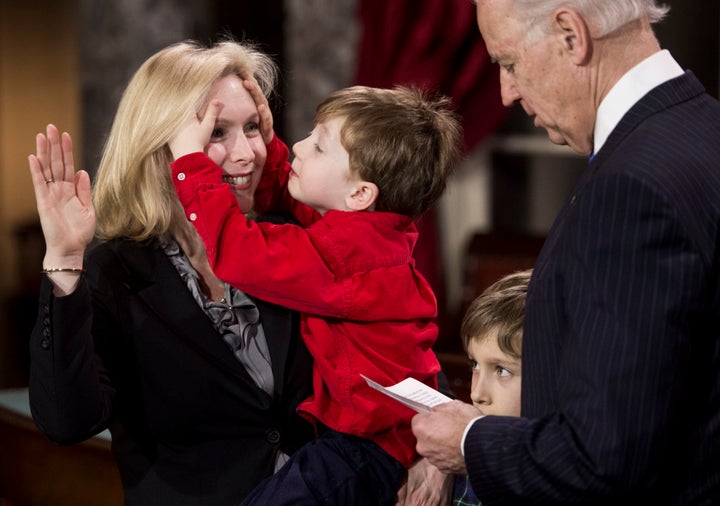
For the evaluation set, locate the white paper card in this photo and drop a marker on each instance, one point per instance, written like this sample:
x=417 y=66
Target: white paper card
x=411 y=392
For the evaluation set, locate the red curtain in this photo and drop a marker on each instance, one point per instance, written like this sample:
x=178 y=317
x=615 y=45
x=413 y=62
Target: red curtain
x=433 y=44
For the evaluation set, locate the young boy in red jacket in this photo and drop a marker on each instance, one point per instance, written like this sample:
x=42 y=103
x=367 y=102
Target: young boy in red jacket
x=375 y=161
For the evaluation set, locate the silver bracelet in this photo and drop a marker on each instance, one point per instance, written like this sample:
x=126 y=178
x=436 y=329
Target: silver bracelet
x=79 y=270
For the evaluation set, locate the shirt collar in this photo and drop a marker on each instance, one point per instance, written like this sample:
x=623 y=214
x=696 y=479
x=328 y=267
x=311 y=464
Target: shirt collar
x=635 y=84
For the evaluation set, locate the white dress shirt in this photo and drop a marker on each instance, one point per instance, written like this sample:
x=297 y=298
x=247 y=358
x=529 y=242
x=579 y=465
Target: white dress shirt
x=630 y=88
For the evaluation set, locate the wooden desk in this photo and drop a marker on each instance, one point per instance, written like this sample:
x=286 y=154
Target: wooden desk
x=34 y=471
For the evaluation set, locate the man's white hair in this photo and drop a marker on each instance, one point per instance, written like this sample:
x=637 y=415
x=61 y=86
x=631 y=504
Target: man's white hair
x=604 y=16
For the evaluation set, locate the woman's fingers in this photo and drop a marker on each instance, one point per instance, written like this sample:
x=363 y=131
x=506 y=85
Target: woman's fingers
x=36 y=172
x=83 y=189
x=53 y=161
x=67 y=153
x=54 y=153
x=41 y=155
x=40 y=169
x=56 y=156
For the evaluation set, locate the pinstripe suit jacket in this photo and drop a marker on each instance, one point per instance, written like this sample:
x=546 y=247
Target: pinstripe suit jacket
x=621 y=352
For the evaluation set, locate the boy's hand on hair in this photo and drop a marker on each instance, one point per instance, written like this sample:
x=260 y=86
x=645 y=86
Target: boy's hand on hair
x=263 y=108
x=195 y=133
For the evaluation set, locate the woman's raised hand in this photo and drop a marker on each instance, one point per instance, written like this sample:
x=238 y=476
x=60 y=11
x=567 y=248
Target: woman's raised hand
x=63 y=199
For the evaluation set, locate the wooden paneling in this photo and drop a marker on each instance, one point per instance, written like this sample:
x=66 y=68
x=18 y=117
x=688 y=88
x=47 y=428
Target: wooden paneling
x=34 y=472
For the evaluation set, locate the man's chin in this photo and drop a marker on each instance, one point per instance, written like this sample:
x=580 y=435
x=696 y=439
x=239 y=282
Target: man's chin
x=556 y=138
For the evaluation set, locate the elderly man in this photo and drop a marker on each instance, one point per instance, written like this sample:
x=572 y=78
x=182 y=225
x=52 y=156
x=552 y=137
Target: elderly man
x=621 y=354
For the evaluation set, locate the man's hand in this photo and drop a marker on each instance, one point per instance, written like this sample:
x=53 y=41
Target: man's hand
x=439 y=434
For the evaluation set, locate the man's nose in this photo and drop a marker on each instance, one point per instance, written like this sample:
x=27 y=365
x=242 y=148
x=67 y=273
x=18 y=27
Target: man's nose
x=508 y=90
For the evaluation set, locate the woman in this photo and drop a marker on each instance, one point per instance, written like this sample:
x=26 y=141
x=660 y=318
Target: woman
x=197 y=382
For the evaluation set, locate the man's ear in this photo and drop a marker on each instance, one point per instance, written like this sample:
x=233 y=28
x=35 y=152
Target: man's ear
x=574 y=35
x=363 y=197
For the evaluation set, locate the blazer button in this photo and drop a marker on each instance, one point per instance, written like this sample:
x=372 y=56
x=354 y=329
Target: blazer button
x=45 y=344
x=272 y=436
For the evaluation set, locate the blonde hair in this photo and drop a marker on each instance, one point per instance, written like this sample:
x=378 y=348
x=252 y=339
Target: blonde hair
x=402 y=140
x=133 y=193
x=501 y=306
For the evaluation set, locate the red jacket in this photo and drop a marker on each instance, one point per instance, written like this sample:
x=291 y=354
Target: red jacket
x=365 y=309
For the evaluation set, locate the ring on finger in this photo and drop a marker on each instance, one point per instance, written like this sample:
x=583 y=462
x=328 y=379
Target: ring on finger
x=48 y=181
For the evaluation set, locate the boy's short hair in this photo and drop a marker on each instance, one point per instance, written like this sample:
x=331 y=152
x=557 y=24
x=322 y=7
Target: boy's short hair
x=400 y=139
x=501 y=306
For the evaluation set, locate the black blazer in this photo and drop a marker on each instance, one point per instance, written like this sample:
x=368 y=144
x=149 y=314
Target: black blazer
x=130 y=350
x=621 y=351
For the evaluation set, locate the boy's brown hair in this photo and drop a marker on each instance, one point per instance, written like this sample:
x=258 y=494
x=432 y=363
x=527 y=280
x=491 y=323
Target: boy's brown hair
x=501 y=306
x=400 y=139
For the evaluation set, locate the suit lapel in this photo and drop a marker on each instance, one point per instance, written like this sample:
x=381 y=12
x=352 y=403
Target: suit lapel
x=666 y=95
x=155 y=281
